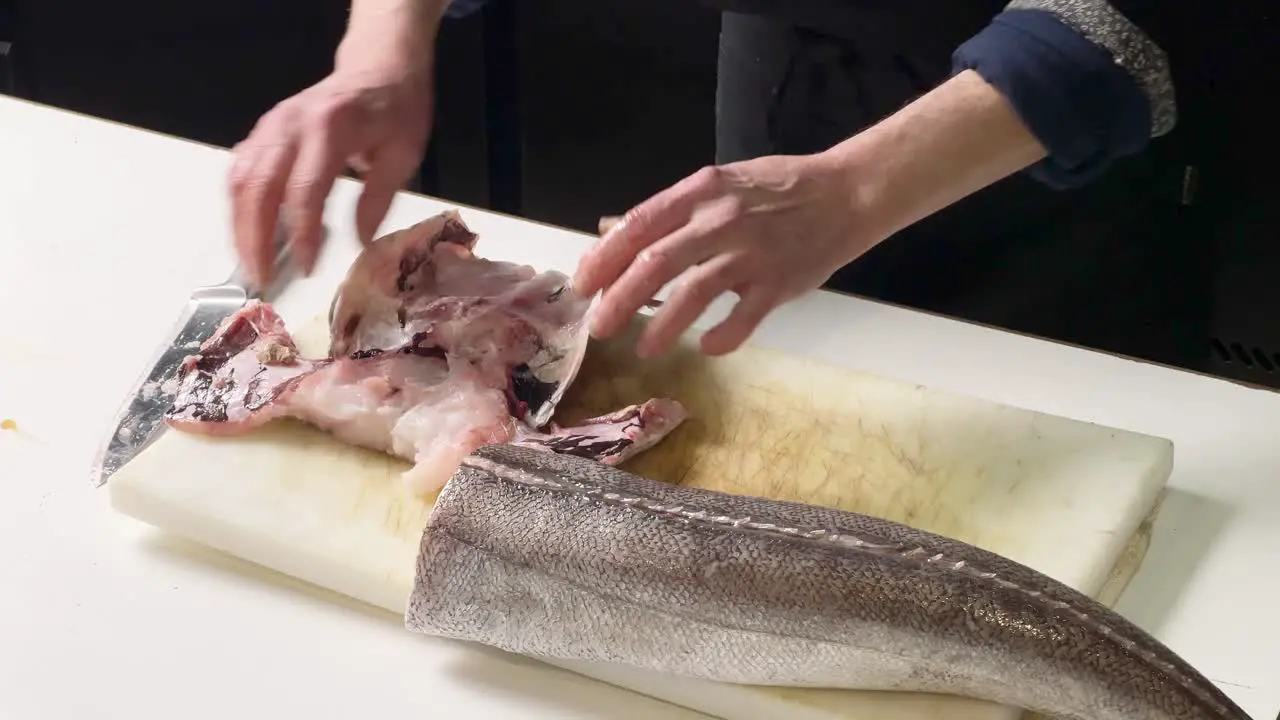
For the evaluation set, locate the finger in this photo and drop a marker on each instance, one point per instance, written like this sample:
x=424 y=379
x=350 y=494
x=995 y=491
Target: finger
x=609 y=258
x=697 y=290
x=387 y=173
x=607 y=222
x=359 y=163
x=258 y=187
x=653 y=268
x=753 y=305
x=642 y=226
x=244 y=156
x=319 y=162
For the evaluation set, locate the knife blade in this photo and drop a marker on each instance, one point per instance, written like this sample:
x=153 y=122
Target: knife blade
x=140 y=419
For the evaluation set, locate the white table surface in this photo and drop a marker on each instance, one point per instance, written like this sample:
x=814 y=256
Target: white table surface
x=105 y=229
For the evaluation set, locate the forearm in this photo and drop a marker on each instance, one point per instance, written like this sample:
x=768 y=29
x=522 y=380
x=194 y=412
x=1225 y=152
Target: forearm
x=948 y=144
x=1090 y=84
x=400 y=31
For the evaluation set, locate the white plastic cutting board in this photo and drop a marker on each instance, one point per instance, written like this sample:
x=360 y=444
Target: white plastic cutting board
x=1065 y=497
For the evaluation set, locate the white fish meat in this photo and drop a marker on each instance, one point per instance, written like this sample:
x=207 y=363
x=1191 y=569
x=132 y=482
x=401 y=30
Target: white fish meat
x=434 y=353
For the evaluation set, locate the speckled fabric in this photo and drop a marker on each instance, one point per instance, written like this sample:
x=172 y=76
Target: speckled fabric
x=1105 y=26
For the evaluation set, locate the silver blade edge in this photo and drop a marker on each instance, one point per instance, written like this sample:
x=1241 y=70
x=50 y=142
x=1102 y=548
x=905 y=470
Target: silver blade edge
x=140 y=419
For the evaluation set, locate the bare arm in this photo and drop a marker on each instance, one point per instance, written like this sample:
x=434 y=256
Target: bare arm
x=949 y=143
x=397 y=29
x=773 y=227
x=1059 y=88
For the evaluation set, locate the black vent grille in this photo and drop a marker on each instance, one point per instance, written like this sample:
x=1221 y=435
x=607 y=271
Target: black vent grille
x=1246 y=362
x=1253 y=357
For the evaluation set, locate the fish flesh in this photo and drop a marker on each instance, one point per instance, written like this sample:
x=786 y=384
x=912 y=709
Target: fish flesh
x=561 y=557
x=425 y=285
x=434 y=352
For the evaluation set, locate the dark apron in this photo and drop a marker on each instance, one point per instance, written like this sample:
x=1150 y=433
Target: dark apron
x=1114 y=266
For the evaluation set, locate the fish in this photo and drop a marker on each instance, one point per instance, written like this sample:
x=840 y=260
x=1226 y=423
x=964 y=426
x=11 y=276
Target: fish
x=434 y=351
x=562 y=557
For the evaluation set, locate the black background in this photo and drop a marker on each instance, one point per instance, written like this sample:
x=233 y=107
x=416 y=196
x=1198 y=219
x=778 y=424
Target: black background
x=613 y=100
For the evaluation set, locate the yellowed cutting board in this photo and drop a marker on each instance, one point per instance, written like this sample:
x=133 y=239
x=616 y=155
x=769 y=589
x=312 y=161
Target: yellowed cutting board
x=1065 y=497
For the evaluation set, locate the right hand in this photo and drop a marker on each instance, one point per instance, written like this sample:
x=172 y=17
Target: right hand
x=371 y=114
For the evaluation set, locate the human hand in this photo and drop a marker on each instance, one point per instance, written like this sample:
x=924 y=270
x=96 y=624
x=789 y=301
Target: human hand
x=373 y=113
x=767 y=230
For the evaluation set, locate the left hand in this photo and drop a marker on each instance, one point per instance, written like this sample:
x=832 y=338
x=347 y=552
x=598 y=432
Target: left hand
x=767 y=230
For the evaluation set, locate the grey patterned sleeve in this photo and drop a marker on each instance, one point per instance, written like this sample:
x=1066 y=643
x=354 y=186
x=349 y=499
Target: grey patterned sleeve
x=1131 y=48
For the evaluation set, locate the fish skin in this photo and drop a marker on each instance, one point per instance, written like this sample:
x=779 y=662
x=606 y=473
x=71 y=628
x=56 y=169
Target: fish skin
x=559 y=557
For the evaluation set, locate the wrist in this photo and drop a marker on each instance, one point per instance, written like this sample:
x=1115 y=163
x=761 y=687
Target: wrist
x=390 y=35
x=863 y=197
x=878 y=192
x=948 y=144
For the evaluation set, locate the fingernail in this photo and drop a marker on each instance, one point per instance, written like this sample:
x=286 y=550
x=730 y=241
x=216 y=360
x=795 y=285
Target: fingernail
x=600 y=327
x=254 y=273
x=608 y=222
x=580 y=287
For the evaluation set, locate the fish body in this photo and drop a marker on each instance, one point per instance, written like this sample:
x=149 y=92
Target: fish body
x=434 y=351
x=565 y=558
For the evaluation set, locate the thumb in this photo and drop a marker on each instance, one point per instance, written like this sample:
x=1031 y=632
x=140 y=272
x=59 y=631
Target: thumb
x=385 y=177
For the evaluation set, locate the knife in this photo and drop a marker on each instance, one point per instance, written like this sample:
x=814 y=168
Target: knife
x=140 y=420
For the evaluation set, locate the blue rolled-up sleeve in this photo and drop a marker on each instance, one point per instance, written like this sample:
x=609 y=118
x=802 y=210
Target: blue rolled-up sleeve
x=462 y=8
x=1071 y=93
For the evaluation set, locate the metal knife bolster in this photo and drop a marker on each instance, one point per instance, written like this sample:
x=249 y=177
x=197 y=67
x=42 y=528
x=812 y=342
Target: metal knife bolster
x=141 y=417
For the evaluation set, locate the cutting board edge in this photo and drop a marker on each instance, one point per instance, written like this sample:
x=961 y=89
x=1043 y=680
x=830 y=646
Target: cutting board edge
x=687 y=693
x=253 y=547
x=1139 y=525
x=136 y=500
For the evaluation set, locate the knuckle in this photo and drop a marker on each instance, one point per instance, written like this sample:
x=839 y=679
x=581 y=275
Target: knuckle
x=766 y=296
x=241 y=177
x=655 y=261
x=326 y=111
x=303 y=202
x=255 y=189
x=286 y=106
x=757 y=261
x=707 y=178
x=637 y=216
x=298 y=195
x=264 y=123
x=702 y=289
x=276 y=119
x=731 y=208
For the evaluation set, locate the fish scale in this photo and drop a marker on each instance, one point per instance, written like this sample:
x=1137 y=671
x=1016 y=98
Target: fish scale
x=748 y=590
